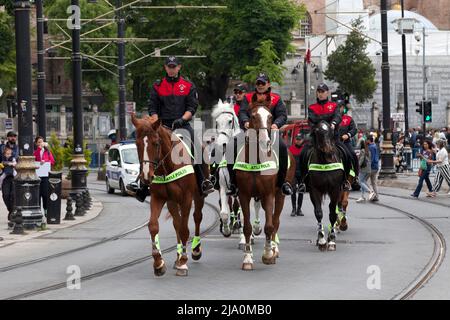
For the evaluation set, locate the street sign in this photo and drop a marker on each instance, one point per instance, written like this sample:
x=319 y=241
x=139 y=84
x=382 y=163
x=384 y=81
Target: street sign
x=399 y=117
x=8 y=124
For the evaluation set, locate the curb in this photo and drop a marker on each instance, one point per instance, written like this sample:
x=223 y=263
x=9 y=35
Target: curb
x=10 y=239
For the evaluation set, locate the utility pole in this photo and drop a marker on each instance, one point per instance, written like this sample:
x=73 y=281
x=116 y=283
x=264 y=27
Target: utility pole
x=78 y=168
x=26 y=182
x=121 y=67
x=424 y=77
x=387 y=155
x=41 y=110
x=405 y=75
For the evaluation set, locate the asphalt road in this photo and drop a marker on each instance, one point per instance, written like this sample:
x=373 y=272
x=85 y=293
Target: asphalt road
x=383 y=239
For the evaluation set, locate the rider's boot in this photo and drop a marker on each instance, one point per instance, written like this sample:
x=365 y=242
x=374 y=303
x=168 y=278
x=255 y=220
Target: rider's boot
x=294 y=205
x=346 y=185
x=141 y=190
x=205 y=185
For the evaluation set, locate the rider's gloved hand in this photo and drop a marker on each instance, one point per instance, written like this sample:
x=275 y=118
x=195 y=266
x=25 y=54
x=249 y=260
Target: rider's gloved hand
x=179 y=123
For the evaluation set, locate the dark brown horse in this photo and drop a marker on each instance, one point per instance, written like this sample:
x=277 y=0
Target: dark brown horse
x=326 y=175
x=342 y=206
x=172 y=181
x=256 y=176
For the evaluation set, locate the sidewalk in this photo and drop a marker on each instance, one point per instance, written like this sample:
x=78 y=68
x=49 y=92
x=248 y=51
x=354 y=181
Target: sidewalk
x=409 y=181
x=9 y=239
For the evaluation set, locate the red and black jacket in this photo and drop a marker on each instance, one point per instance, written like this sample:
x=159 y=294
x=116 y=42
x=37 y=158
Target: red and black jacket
x=171 y=98
x=326 y=111
x=277 y=107
x=347 y=126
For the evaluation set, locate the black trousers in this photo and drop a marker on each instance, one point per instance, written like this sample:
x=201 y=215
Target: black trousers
x=297 y=205
x=351 y=153
x=8 y=193
x=43 y=192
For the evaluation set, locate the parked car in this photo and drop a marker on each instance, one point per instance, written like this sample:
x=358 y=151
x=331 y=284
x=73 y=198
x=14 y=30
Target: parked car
x=122 y=166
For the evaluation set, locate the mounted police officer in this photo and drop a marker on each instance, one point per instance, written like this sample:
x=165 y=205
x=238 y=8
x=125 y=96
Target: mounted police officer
x=279 y=114
x=347 y=130
x=325 y=110
x=174 y=101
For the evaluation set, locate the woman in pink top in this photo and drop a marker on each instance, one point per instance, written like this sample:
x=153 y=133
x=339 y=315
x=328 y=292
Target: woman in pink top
x=42 y=154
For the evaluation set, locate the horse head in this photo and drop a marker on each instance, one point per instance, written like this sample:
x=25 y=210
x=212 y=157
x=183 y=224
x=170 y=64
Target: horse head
x=261 y=119
x=324 y=138
x=148 y=142
x=227 y=123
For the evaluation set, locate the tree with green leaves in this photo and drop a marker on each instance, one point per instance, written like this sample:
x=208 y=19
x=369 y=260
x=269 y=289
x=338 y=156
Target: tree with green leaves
x=228 y=38
x=7 y=54
x=269 y=63
x=351 y=68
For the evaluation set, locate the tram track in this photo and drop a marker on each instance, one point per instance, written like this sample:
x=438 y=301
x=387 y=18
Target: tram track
x=116 y=268
x=439 y=250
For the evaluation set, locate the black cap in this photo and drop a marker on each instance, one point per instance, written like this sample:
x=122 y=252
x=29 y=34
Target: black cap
x=299 y=136
x=240 y=87
x=262 y=77
x=323 y=87
x=11 y=134
x=172 y=61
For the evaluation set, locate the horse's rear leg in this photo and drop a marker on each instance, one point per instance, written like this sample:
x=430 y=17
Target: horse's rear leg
x=257 y=222
x=279 y=204
x=268 y=205
x=342 y=218
x=196 y=247
x=185 y=208
x=247 y=264
x=156 y=206
x=316 y=199
x=334 y=198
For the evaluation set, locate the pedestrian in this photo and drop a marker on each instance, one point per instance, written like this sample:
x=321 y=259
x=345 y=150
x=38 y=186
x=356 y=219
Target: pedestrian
x=42 y=154
x=296 y=149
x=8 y=165
x=364 y=170
x=442 y=165
x=425 y=168
x=11 y=143
x=374 y=167
x=174 y=101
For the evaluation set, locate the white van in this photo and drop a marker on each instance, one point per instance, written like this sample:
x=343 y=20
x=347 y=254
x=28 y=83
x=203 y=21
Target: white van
x=122 y=166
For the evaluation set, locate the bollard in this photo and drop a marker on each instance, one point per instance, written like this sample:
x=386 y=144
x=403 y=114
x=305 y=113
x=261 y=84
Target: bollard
x=89 y=198
x=79 y=210
x=69 y=209
x=85 y=201
x=18 y=223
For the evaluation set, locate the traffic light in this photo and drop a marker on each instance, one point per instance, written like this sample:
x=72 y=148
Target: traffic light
x=427 y=111
x=419 y=104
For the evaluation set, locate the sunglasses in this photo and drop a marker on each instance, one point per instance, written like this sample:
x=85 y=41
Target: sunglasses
x=260 y=83
x=171 y=66
x=321 y=91
x=238 y=92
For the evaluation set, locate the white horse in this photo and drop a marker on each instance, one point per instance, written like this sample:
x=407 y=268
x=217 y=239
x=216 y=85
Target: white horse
x=227 y=126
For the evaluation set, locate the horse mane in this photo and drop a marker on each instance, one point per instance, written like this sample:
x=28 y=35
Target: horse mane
x=259 y=100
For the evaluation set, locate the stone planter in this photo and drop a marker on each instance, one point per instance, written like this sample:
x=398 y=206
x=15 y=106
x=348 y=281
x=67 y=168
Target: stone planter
x=66 y=187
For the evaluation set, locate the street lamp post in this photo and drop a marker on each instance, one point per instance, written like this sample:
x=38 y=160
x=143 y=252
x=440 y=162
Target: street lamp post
x=387 y=155
x=78 y=168
x=26 y=182
x=41 y=114
x=121 y=67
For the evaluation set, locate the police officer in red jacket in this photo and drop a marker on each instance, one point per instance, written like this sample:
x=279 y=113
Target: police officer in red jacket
x=239 y=94
x=347 y=130
x=174 y=100
x=279 y=114
x=325 y=110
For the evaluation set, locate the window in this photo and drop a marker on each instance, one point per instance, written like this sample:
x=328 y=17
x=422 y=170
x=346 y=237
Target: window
x=433 y=93
x=305 y=27
x=130 y=156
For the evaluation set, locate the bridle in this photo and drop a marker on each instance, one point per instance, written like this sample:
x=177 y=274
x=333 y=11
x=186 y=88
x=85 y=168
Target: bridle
x=233 y=126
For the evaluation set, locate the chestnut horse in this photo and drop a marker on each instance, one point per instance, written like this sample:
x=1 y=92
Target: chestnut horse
x=173 y=182
x=256 y=176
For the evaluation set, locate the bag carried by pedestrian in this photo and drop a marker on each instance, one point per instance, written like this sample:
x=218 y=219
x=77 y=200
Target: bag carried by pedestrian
x=423 y=164
x=420 y=172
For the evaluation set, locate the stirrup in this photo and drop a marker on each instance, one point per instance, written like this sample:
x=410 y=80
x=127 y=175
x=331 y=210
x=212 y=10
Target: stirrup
x=301 y=188
x=142 y=193
x=207 y=187
x=232 y=191
x=286 y=188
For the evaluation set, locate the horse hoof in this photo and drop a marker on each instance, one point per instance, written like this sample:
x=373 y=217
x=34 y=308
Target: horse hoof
x=331 y=246
x=343 y=225
x=182 y=272
x=271 y=260
x=322 y=247
x=241 y=246
x=257 y=231
x=161 y=271
x=247 y=266
x=196 y=255
x=226 y=233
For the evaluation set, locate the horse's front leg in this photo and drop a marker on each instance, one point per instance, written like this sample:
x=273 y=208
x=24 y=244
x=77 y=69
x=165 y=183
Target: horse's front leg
x=176 y=220
x=196 y=247
x=224 y=206
x=185 y=208
x=334 y=198
x=279 y=204
x=316 y=199
x=156 y=205
x=247 y=264
x=268 y=256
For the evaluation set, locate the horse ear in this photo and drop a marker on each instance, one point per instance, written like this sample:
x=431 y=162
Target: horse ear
x=156 y=124
x=135 y=120
x=220 y=103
